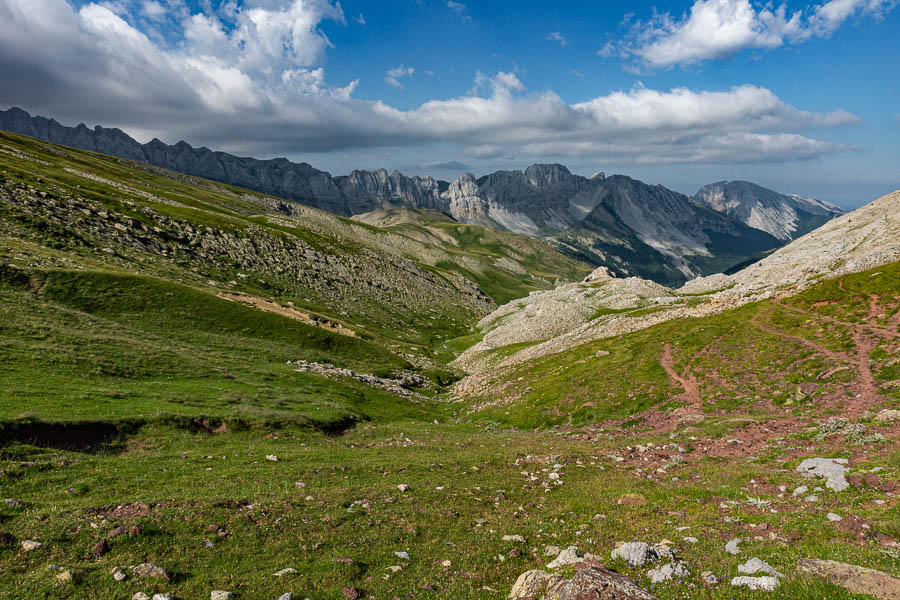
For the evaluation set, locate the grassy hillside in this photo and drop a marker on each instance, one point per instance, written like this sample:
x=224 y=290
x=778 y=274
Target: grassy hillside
x=832 y=349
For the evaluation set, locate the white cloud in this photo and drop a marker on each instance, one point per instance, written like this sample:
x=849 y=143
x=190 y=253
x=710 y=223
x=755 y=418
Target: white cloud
x=238 y=89
x=555 y=36
x=577 y=73
x=456 y=7
x=153 y=10
x=393 y=76
x=360 y=19
x=716 y=29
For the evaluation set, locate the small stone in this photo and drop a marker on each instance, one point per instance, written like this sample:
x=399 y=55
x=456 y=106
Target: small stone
x=403 y=487
x=288 y=596
x=403 y=555
x=811 y=499
x=552 y=551
x=667 y=572
x=872 y=479
x=513 y=538
x=149 y=571
x=709 y=579
x=635 y=553
x=691 y=540
x=755 y=565
x=13 y=503
x=446 y=564
x=65 y=577
x=834 y=518
x=119 y=576
x=212 y=528
x=395 y=568
x=163 y=597
x=833 y=470
x=732 y=547
x=116 y=532
x=283 y=572
x=220 y=595
x=29 y=545
x=140 y=596
x=800 y=491
x=569 y=556
x=272 y=458
x=351 y=593
x=135 y=531
x=101 y=548
x=763 y=584
x=888 y=415
x=514 y=553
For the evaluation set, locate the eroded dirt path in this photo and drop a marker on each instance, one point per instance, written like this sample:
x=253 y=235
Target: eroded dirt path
x=286 y=311
x=688 y=383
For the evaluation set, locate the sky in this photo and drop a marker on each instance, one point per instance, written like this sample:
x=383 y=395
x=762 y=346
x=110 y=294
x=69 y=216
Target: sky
x=802 y=97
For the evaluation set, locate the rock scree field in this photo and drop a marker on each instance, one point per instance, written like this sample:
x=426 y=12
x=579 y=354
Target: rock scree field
x=207 y=392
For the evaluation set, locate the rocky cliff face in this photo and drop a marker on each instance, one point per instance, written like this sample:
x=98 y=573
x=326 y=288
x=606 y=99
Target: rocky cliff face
x=785 y=217
x=624 y=224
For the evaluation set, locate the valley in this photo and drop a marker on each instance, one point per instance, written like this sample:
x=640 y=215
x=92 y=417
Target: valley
x=208 y=389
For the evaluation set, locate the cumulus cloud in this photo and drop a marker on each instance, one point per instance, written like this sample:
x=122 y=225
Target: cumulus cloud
x=716 y=29
x=255 y=84
x=456 y=7
x=153 y=10
x=555 y=36
x=393 y=76
x=360 y=19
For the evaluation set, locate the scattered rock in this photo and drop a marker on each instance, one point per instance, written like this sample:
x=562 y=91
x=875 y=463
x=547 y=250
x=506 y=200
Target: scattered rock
x=65 y=577
x=732 y=547
x=755 y=565
x=116 y=532
x=631 y=500
x=831 y=469
x=514 y=553
x=272 y=458
x=763 y=584
x=800 y=491
x=288 y=596
x=403 y=555
x=598 y=584
x=667 y=572
x=101 y=548
x=709 y=579
x=163 y=597
x=284 y=572
x=119 y=576
x=135 y=531
x=220 y=595
x=29 y=545
x=857 y=580
x=149 y=571
x=834 y=518
x=13 y=503
x=351 y=593
x=446 y=564
x=403 y=487
x=569 y=556
x=140 y=596
x=888 y=415
x=637 y=553
x=691 y=540
x=533 y=584
x=513 y=538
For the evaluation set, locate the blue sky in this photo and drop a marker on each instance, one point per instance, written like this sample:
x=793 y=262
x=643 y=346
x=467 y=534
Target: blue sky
x=803 y=97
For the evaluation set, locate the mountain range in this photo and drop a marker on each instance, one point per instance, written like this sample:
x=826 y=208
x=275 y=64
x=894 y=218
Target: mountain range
x=628 y=226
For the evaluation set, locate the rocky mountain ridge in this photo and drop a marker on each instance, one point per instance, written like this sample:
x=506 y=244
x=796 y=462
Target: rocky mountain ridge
x=631 y=227
x=784 y=216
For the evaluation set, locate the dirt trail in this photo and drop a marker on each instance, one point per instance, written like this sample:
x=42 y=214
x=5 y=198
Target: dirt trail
x=691 y=394
x=286 y=311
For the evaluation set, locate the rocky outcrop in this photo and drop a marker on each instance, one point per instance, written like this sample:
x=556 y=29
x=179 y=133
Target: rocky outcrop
x=590 y=582
x=784 y=216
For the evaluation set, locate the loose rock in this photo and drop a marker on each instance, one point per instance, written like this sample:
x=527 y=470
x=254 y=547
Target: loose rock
x=533 y=584
x=732 y=547
x=351 y=593
x=29 y=545
x=149 y=571
x=831 y=469
x=220 y=595
x=140 y=596
x=599 y=584
x=667 y=572
x=855 y=579
x=763 y=584
x=569 y=556
x=755 y=565
x=101 y=548
x=119 y=576
x=284 y=572
x=636 y=553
